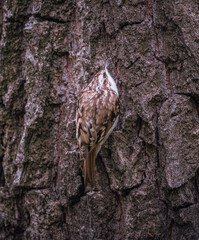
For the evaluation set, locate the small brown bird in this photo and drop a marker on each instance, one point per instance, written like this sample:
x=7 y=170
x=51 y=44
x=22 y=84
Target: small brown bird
x=97 y=116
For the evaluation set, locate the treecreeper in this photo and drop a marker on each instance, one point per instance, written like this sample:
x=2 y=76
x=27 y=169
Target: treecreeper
x=97 y=115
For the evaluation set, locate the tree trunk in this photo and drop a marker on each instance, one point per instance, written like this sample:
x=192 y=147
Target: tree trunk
x=147 y=173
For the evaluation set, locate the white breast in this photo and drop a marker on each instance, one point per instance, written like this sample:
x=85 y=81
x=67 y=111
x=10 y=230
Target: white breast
x=112 y=82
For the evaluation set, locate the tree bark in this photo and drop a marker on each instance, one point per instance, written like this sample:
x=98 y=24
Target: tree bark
x=147 y=173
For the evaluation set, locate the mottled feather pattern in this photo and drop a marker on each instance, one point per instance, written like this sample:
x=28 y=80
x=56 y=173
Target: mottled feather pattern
x=98 y=109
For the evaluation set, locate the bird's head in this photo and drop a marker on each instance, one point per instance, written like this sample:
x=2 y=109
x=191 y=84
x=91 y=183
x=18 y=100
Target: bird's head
x=107 y=63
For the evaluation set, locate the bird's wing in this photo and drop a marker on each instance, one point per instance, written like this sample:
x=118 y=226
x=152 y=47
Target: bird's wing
x=97 y=112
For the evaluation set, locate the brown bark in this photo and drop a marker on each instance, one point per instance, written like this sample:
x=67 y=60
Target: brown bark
x=147 y=175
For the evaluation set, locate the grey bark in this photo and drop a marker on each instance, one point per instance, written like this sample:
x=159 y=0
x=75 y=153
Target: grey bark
x=148 y=170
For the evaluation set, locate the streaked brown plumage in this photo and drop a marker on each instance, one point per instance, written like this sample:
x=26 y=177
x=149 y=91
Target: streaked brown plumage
x=97 y=115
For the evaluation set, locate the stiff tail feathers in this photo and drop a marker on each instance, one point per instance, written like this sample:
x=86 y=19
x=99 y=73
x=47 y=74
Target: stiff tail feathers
x=89 y=167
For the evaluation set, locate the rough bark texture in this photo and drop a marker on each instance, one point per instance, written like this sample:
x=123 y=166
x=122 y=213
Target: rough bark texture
x=148 y=170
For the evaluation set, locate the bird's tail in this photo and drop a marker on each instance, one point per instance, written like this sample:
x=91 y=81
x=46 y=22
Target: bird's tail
x=89 y=167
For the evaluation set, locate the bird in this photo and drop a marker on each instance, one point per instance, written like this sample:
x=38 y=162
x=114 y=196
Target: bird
x=96 y=116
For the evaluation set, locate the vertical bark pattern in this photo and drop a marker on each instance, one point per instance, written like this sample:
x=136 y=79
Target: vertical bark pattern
x=147 y=178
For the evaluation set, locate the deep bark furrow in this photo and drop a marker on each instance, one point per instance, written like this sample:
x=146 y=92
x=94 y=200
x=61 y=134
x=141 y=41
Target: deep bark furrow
x=147 y=184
